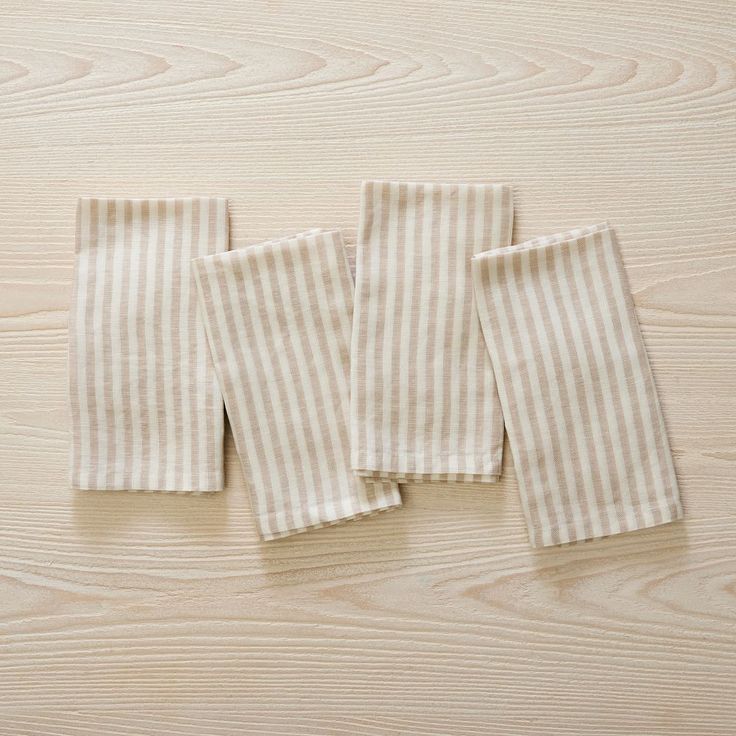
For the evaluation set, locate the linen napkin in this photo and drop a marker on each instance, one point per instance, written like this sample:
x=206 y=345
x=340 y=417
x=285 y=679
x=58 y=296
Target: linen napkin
x=424 y=401
x=146 y=411
x=581 y=410
x=278 y=320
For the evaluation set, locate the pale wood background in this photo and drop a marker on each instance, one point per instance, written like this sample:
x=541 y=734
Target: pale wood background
x=151 y=614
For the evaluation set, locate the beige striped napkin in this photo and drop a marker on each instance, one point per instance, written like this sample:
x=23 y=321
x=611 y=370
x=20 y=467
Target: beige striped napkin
x=146 y=410
x=579 y=402
x=424 y=401
x=278 y=319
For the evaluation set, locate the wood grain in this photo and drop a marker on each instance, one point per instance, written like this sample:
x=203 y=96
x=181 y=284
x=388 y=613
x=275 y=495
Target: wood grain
x=146 y=614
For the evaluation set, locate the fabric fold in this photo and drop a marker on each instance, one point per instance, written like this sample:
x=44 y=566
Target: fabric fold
x=146 y=411
x=278 y=320
x=424 y=402
x=579 y=402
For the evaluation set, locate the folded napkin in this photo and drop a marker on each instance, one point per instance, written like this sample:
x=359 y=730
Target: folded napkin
x=278 y=319
x=146 y=410
x=424 y=402
x=579 y=401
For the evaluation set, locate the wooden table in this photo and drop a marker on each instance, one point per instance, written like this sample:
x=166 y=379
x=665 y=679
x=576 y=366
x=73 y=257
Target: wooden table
x=152 y=614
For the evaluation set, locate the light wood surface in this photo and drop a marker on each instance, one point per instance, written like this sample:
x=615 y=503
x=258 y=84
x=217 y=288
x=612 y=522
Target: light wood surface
x=151 y=614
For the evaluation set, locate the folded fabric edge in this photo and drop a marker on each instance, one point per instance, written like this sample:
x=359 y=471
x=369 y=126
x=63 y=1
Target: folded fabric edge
x=292 y=236
x=235 y=254
x=127 y=489
x=392 y=501
x=140 y=200
x=409 y=182
x=544 y=241
x=674 y=513
x=430 y=477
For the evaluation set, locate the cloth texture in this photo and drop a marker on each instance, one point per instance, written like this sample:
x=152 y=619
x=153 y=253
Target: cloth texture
x=579 y=402
x=146 y=411
x=278 y=319
x=424 y=401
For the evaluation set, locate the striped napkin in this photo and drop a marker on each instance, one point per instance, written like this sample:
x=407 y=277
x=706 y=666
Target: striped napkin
x=278 y=320
x=424 y=401
x=579 y=401
x=146 y=410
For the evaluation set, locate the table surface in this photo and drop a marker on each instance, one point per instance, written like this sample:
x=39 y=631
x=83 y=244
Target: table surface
x=126 y=613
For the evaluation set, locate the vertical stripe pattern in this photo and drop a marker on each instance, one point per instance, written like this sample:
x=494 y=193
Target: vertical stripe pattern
x=579 y=402
x=146 y=410
x=424 y=401
x=278 y=320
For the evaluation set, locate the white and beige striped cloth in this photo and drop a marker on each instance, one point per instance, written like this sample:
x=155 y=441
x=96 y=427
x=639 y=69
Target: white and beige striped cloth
x=424 y=401
x=331 y=406
x=146 y=411
x=579 y=401
x=278 y=318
